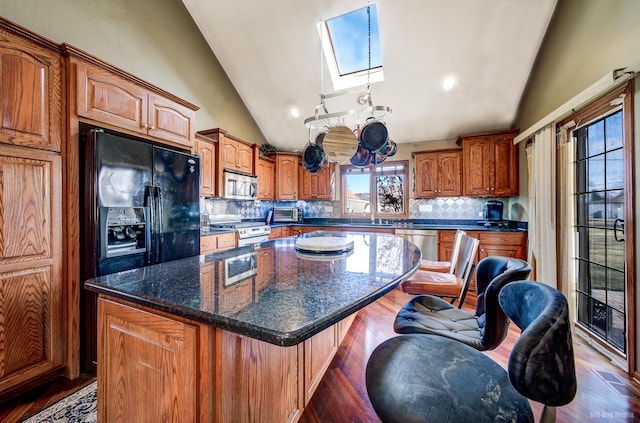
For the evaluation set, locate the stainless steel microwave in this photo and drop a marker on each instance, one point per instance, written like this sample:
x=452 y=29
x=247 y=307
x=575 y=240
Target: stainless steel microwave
x=239 y=186
x=287 y=215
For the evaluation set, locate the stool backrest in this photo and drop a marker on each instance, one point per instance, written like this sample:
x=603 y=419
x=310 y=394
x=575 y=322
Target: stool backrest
x=492 y=274
x=541 y=365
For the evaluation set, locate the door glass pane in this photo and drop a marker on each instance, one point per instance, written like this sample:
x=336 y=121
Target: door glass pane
x=390 y=194
x=613 y=132
x=615 y=169
x=599 y=218
x=595 y=135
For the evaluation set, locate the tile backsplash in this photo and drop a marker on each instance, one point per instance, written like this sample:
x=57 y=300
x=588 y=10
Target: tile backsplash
x=434 y=208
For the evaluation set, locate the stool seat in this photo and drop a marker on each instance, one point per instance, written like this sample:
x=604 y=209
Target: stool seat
x=433 y=283
x=429 y=378
x=435 y=266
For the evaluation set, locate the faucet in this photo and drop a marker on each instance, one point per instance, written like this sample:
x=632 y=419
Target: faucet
x=373 y=220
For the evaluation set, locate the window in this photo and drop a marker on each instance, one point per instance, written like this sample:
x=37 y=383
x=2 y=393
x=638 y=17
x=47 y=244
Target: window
x=345 y=43
x=381 y=191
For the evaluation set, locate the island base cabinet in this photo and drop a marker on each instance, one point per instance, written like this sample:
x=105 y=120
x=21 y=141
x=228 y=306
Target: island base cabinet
x=155 y=367
x=146 y=366
x=259 y=381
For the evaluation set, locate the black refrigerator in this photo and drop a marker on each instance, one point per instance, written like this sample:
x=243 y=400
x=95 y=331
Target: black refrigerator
x=140 y=207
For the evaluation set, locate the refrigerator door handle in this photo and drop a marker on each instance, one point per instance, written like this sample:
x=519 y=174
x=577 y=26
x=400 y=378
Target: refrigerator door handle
x=158 y=196
x=150 y=203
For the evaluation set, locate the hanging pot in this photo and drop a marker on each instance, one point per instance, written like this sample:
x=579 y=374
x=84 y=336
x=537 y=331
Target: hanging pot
x=320 y=138
x=390 y=149
x=377 y=158
x=313 y=157
x=362 y=157
x=374 y=135
x=340 y=144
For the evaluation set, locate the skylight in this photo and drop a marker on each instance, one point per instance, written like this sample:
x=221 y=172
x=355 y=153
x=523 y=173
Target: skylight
x=345 y=42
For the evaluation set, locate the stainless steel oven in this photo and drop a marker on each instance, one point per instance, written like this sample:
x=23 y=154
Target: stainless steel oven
x=240 y=267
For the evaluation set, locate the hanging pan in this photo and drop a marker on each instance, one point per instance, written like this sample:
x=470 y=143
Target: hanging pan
x=374 y=135
x=313 y=157
x=340 y=144
x=362 y=157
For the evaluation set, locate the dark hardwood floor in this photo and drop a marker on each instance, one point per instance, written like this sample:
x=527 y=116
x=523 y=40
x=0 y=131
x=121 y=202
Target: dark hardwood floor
x=605 y=393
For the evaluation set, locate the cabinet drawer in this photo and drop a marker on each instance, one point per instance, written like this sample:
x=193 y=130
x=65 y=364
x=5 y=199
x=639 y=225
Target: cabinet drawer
x=504 y=238
x=227 y=240
x=208 y=244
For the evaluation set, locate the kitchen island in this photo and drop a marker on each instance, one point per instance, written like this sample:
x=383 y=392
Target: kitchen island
x=239 y=335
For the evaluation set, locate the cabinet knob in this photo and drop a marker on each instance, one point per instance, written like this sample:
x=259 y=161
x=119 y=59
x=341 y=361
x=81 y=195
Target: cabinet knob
x=152 y=127
x=145 y=126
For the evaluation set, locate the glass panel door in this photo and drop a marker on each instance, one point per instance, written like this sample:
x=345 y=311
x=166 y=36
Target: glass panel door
x=600 y=223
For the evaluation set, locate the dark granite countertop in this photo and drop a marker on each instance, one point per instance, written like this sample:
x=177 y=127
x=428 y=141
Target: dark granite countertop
x=426 y=224
x=285 y=300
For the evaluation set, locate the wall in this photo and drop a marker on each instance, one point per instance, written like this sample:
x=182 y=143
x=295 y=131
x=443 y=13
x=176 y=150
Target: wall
x=586 y=39
x=156 y=40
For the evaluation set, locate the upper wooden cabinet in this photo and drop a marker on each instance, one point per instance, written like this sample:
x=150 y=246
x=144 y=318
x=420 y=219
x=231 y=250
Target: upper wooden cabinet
x=109 y=96
x=31 y=105
x=316 y=186
x=266 y=173
x=286 y=176
x=438 y=173
x=231 y=153
x=490 y=163
x=206 y=148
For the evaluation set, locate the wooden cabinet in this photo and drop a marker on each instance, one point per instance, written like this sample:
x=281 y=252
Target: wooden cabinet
x=286 y=232
x=286 y=176
x=318 y=353
x=259 y=381
x=438 y=173
x=235 y=297
x=266 y=173
x=506 y=244
x=106 y=97
x=212 y=243
x=235 y=155
x=232 y=154
x=146 y=358
x=275 y=233
x=193 y=372
x=206 y=148
x=490 y=163
x=33 y=335
x=316 y=186
x=31 y=105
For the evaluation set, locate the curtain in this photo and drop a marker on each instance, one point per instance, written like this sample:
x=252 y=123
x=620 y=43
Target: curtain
x=541 y=160
x=566 y=214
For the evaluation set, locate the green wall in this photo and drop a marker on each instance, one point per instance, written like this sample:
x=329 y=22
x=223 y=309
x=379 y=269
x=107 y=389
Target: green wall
x=586 y=39
x=156 y=40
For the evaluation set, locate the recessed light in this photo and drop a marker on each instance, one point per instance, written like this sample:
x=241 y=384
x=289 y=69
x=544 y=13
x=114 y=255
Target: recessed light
x=448 y=83
x=294 y=112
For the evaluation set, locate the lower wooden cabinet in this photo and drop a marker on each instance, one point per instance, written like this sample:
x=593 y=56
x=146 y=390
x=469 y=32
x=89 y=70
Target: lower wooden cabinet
x=148 y=366
x=185 y=371
x=212 y=243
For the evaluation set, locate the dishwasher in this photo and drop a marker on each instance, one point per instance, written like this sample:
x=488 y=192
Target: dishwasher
x=426 y=240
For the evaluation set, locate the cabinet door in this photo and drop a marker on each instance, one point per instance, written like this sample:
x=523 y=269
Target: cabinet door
x=170 y=121
x=31 y=286
x=478 y=166
x=244 y=161
x=265 y=172
x=305 y=191
x=260 y=381
x=229 y=154
x=318 y=353
x=426 y=173
x=505 y=159
x=286 y=177
x=450 y=174
x=324 y=182
x=30 y=94
x=208 y=167
x=159 y=367
x=105 y=97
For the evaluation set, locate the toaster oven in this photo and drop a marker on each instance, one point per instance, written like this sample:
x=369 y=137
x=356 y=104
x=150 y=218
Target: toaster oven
x=287 y=215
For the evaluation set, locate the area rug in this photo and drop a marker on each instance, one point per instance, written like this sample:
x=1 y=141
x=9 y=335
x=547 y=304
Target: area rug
x=79 y=407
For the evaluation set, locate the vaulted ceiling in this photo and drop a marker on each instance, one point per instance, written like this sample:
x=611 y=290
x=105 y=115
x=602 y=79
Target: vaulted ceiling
x=270 y=51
